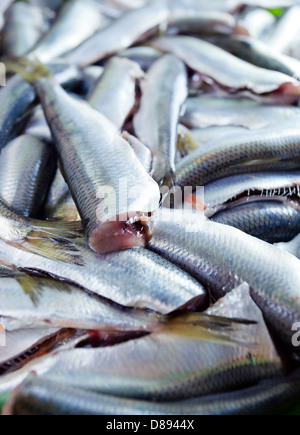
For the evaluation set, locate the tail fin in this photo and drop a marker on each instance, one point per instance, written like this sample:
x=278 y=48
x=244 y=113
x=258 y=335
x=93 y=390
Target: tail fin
x=54 y=241
x=186 y=143
x=209 y=328
x=30 y=70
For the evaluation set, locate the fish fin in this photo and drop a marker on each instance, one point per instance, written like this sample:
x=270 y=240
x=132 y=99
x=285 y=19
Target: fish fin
x=30 y=70
x=54 y=241
x=209 y=328
x=31 y=287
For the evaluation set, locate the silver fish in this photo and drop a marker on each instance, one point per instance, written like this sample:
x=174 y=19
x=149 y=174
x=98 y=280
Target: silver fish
x=121 y=34
x=77 y=21
x=95 y=161
x=208 y=135
x=115 y=94
x=164 y=91
x=257 y=21
x=23 y=28
x=208 y=111
x=5 y=4
x=143 y=55
x=142 y=152
x=133 y=278
x=178 y=367
x=27 y=166
x=39 y=396
x=228 y=70
x=255 y=151
x=277 y=186
x=200 y=246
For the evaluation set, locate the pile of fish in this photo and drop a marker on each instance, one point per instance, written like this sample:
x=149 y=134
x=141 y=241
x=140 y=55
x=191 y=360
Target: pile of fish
x=150 y=207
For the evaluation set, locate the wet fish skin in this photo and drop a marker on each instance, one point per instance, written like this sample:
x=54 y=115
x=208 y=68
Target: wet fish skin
x=143 y=55
x=115 y=94
x=76 y=22
x=42 y=397
x=268 y=186
x=266 y=149
x=193 y=242
x=209 y=60
x=102 y=158
x=292 y=247
x=260 y=54
x=121 y=369
x=203 y=112
x=257 y=21
x=18 y=97
x=270 y=221
x=205 y=136
x=142 y=152
x=120 y=34
x=164 y=91
x=139 y=270
x=27 y=166
x=23 y=28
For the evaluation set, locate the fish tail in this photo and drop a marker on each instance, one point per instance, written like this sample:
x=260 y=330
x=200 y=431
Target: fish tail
x=30 y=69
x=55 y=241
x=209 y=328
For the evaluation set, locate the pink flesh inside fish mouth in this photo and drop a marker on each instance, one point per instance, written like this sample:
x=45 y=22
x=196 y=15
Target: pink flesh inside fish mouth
x=121 y=234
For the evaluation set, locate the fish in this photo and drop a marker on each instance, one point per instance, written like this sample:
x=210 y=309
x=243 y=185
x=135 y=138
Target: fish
x=255 y=151
x=5 y=4
x=208 y=135
x=18 y=99
x=24 y=25
x=142 y=152
x=164 y=92
x=204 y=23
x=143 y=55
x=27 y=166
x=115 y=94
x=257 y=21
x=292 y=247
x=131 y=27
x=37 y=125
x=205 y=111
x=270 y=221
x=279 y=186
x=177 y=367
x=204 y=249
x=209 y=60
x=49 y=239
x=38 y=396
x=260 y=54
x=97 y=167
x=75 y=23
x=284 y=31
x=21 y=345
x=133 y=278
x=186 y=142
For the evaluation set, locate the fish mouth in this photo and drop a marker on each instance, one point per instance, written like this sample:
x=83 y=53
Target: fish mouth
x=125 y=232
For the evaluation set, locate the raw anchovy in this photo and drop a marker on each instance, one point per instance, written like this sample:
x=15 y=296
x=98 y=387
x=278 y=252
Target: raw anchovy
x=292 y=247
x=267 y=186
x=23 y=28
x=257 y=21
x=95 y=161
x=208 y=135
x=163 y=93
x=270 y=221
x=147 y=280
x=144 y=56
x=115 y=94
x=142 y=152
x=205 y=111
x=228 y=70
x=121 y=34
x=27 y=166
x=177 y=367
x=37 y=125
x=255 y=151
x=204 y=23
x=91 y=76
x=77 y=21
x=201 y=246
x=284 y=31
x=21 y=344
x=18 y=97
x=260 y=54
x=39 y=396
